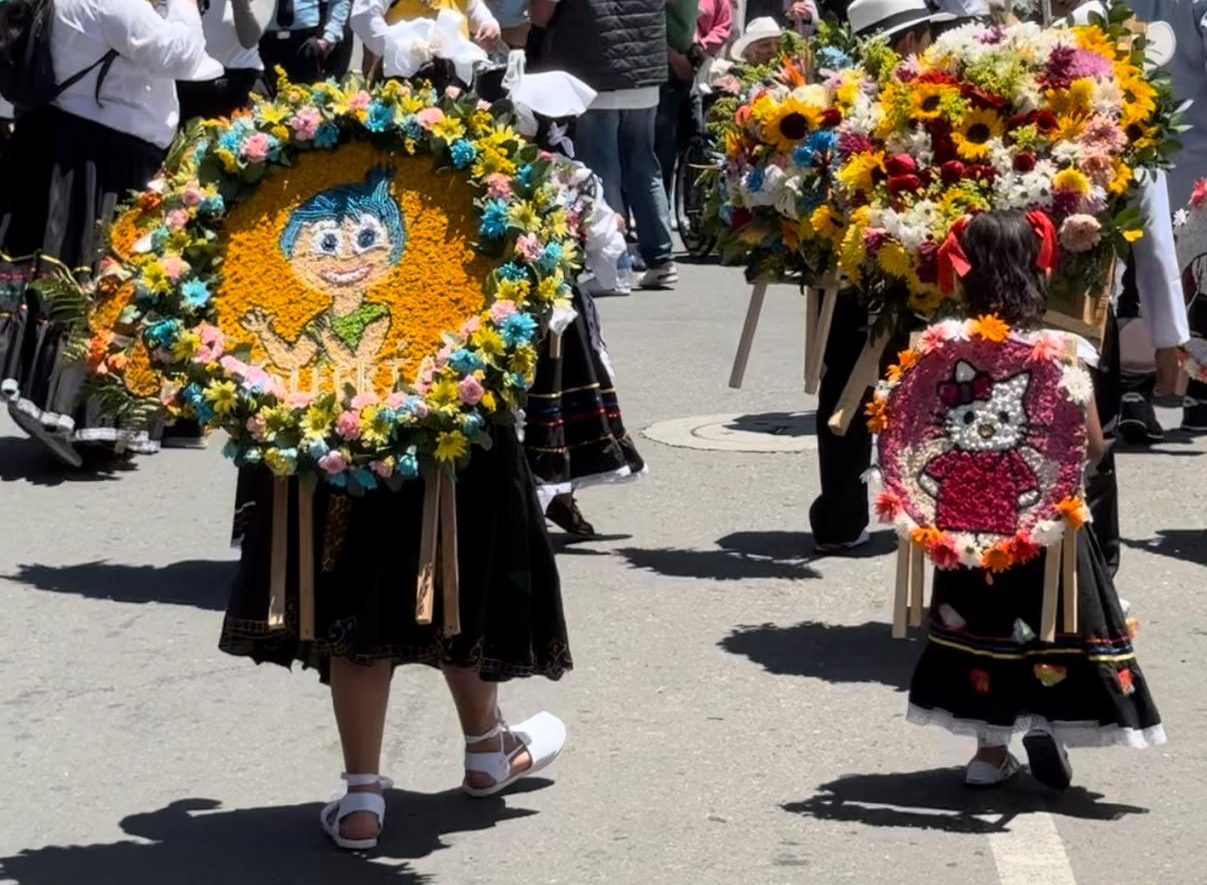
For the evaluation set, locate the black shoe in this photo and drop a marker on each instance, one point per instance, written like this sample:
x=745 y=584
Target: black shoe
x=567 y=517
x=1194 y=415
x=1138 y=422
x=1049 y=762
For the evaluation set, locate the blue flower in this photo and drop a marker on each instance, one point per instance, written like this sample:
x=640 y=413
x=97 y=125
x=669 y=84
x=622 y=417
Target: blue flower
x=524 y=176
x=327 y=136
x=407 y=466
x=463 y=153
x=199 y=150
x=517 y=329
x=231 y=140
x=164 y=333
x=317 y=448
x=159 y=238
x=472 y=424
x=754 y=180
x=195 y=294
x=494 y=220
x=833 y=58
x=726 y=213
x=205 y=414
x=231 y=450
x=552 y=257
x=412 y=128
x=381 y=117
x=413 y=406
x=517 y=380
x=191 y=395
x=512 y=272
x=339 y=480
x=823 y=141
x=365 y=478
x=214 y=205
x=465 y=361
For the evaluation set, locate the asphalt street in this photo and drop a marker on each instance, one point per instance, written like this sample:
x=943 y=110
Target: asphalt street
x=736 y=711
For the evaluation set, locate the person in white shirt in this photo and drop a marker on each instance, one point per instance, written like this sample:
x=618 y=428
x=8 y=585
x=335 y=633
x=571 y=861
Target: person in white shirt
x=232 y=36
x=70 y=163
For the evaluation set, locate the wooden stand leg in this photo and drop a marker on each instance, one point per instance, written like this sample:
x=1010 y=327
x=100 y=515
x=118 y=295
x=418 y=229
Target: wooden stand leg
x=821 y=335
x=812 y=313
x=917 y=586
x=901 y=593
x=757 y=295
x=1068 y=572
x=1047 y=616
x=864 y=375
x=425 y=591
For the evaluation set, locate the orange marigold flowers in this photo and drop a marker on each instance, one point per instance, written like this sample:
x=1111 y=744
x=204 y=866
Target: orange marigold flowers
x=997 y=558
x=1074 y=512
x=990 y=328
x=907 y=359
x=877 y=412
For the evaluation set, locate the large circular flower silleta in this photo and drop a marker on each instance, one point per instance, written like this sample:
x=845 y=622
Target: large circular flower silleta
x=982 y=443
x=346 y=280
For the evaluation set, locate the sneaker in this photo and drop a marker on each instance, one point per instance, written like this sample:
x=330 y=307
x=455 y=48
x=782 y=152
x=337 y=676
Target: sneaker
x=661 y=277
x=1138 y=422
x=842 y=547
x=982 y=774
x=1049 y=762
x=1194 y=415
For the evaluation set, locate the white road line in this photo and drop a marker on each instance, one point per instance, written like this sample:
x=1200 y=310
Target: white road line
x=1030 y=852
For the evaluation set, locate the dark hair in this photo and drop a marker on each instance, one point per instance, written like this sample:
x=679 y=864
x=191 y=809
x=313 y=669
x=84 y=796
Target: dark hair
x=1002 y=248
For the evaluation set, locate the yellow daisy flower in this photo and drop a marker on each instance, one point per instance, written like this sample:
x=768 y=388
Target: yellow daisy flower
x=976 y=129
x=223 y=396
x=1071 y=181
x=488 y=340
x=450 y=129
x=859 y=172
x=894 y=260
x=186 y=345
x=451 y=446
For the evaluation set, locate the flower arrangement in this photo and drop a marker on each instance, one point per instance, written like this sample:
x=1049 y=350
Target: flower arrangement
x=982 y=443
x=1018 y=117
x=456 y=236
x=769 y=204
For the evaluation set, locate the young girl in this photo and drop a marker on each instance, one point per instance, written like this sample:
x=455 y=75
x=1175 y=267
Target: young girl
x=983 y=672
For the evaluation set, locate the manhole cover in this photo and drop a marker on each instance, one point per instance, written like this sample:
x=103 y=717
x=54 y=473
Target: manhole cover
x=772 y=432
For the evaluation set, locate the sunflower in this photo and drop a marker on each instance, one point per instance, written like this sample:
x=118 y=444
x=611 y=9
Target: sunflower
x=859 y=172
x=894 y=260
x=1093 y=39
x=927 y=100
x=1139 y=96
x=1072 y=181
x=974 y=133
x=1122 y=179
x=787 y=124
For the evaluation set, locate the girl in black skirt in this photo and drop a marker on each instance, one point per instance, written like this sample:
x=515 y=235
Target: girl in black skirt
x=984 y=673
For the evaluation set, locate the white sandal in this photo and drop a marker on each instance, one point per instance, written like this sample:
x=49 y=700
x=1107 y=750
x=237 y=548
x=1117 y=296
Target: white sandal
x=352 y=803
x=543 y=736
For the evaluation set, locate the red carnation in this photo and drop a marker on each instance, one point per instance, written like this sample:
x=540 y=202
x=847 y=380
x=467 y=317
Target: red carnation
x=903 y=184
x=936 y=77
x=1018 y=120
x=901 y=164
x=952 y=172
x=1024 y=161
x=982 y=172
x=982 y=99
x=927 y=267
x=1046 y=122
x=941 y=143
x=830 y=118
x=741 y=218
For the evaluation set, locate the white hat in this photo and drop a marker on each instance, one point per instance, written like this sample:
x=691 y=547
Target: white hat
x=883 y=18
x=1159 y=37
x=758 y=29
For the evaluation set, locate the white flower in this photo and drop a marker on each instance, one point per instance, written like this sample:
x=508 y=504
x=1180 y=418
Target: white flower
x=1047 y=532
x=1077 y=384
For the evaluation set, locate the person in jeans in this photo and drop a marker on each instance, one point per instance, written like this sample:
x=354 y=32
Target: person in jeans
x=620 y=51
x=684 y=56
x=300 y=37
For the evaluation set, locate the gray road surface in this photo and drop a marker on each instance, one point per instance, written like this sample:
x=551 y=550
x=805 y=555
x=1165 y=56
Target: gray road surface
x=736 y=715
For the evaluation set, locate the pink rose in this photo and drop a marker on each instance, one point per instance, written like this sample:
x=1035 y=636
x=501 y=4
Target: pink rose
x=213 y=343
x=452 y=93
x=348 y=425
x=305 y=123
x=470 y=326
x=1080 y=233
x=254 y=376
x=177 y=219
x=363 y=400
x=232 y=366
x=421 y=410
x=299 y=399
x=501 y=310
x=333 y=462
x=498 y=186
x=397 y=400
x=471 y=390
x=483 y=105
x=175 y=267
x=443 y=355
x=429 y=117
x=384 y=469
x=192 y=195
x=360 y=101
x=255 y=148
x=529 y=247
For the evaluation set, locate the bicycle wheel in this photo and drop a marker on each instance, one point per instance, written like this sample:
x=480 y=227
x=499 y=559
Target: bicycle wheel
x=689 y=198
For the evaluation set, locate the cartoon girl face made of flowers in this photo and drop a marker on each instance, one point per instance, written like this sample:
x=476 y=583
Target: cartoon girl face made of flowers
x=340 y=242
x=982 y=481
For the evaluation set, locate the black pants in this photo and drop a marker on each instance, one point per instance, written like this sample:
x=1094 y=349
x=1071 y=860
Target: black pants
x=1102 y=489
x=678 y=105
x=840 y=513
x=296 y=54
x=217 y=98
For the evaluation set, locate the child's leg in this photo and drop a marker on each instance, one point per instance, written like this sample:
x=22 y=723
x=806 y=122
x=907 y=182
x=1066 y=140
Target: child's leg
x=360 y=695
x=478 y=709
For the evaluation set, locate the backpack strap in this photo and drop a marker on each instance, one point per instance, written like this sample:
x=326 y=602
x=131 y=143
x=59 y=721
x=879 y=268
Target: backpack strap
x=104 y=63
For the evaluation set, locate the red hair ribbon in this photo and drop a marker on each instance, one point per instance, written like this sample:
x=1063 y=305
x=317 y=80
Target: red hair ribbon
x=953 y=263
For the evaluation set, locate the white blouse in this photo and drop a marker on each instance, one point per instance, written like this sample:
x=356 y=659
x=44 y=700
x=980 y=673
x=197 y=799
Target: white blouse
x=138 y=94
x=368 y=21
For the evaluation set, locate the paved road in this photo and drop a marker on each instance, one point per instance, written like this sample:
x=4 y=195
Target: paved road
x=736 y=714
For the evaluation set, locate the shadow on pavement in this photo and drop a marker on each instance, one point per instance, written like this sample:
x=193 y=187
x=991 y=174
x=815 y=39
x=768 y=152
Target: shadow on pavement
x=938 y=800
x=789 y=424
x=24 y=460
x=195 y=842
x=201 y=583
x=717 y=565
x=790 y=545
x=832 y=652
x=1188 y=545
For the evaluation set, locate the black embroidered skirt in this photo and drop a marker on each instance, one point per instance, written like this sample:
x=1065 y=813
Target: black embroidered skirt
x=366 y=552
x=984 y=672
x=63 y=176
x=574 y=434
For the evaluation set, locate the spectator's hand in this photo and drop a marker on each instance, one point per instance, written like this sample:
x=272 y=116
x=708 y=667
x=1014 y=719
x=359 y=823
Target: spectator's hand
x=801 y=11
x=487 y=35
x=681 y=65
x=1167 y=372
x=317 y=47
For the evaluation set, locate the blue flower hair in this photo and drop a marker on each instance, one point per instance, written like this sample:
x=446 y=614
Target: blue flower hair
x=347 y=201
